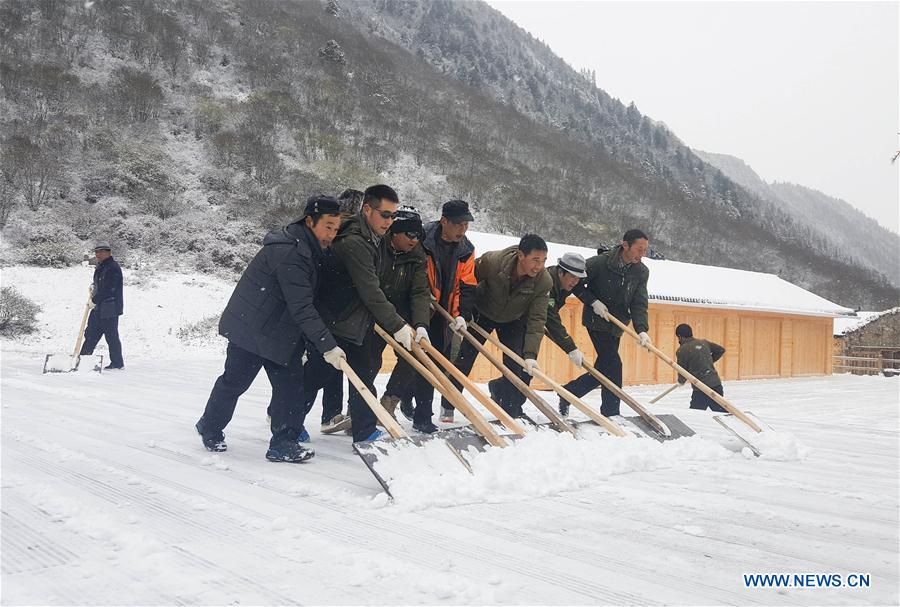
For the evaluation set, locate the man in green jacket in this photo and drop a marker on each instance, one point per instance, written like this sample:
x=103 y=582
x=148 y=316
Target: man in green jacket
x=567 y=275
x=351 y=300
x=698 y=357
x=616 y=284
x=405 y=282
x=511 y=297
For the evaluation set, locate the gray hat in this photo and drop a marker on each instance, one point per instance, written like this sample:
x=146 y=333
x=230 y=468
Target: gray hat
x=573 y=263
x=102 y=246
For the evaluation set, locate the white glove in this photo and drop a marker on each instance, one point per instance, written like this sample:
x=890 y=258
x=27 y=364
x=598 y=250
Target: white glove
x=459 y=324
x=577 y=357
x=405 y=336
x=421 y=333
x=531 y=366
x=334 y=357
x=644 y=340
x=600 y=310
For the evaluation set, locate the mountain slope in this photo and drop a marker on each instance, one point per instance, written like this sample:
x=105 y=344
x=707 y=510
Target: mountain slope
x=841 y=229
x=181 y=131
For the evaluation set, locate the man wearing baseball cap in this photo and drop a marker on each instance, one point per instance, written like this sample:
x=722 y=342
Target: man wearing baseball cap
x=451 y=279
x=270 y=321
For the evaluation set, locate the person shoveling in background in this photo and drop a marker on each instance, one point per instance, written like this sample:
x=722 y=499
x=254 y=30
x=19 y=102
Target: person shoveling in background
x=108 y=306
x=698 y=357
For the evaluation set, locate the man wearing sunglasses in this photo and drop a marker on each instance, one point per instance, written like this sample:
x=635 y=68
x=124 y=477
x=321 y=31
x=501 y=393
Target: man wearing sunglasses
x=351 y=299
x=405 y=282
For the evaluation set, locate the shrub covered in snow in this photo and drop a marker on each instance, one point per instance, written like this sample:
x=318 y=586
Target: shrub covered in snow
x=18 y=314
x=200 y=332
x=49 y=244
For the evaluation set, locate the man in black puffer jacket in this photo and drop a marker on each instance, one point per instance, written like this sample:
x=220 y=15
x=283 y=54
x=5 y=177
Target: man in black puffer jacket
x=268 y=322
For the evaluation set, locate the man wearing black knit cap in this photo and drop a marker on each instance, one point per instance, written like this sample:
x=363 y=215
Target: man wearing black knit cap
x=269 y=322
x=405 y=282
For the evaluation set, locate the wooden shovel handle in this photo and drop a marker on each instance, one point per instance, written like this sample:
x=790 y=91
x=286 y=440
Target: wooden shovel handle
x=542 y=405
x=662 y=395
x=84 y=318
x=629 y=400
x=489 y=404
x=447 y=389
x=601 y=419
x=389 y=423
x=694 y=381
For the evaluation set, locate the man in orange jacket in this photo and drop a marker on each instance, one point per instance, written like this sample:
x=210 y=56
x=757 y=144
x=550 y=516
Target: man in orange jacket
x=451 y=276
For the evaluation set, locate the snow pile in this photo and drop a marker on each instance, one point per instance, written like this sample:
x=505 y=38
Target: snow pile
x=780 y=446
x=540 y=464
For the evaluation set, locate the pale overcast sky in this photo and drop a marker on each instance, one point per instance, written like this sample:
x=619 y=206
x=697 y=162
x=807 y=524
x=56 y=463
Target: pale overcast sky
x=805 y=92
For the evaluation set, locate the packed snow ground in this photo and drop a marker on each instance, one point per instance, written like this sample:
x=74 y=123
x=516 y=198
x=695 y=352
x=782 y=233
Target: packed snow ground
x=109 y=498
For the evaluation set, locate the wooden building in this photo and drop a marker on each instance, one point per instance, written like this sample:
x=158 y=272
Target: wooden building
x=868 y=345
x=769 y=327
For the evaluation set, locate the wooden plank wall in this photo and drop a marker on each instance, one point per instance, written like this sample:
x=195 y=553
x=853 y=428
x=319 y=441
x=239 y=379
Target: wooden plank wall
x=758 y=345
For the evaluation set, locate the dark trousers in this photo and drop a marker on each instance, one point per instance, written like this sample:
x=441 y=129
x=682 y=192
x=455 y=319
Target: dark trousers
x=321 y=375
x=365 y=360
x=407 y=383
x=98 y=327
x=512 y=335
x=701 y=401
x=609 y=364
x=241 y=368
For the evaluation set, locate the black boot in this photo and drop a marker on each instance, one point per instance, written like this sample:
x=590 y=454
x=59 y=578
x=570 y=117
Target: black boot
x=287 y=450
x=213 y=441
x=406 y=408
x=426 y=427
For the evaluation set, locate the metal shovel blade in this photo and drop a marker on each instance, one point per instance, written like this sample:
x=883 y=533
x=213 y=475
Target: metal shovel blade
x=742 y=431
x=66 y=363
x=390 y=459
x=677 y=428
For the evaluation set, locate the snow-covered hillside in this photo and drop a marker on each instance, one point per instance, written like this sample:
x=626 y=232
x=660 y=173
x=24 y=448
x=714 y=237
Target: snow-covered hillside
x=108 y=496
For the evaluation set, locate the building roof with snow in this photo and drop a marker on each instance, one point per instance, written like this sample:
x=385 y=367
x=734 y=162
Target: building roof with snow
x=843 y=326
x=689 y=284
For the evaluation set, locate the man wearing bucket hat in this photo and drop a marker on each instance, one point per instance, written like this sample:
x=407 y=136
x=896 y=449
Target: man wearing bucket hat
x=567 y=275
x=106 y=294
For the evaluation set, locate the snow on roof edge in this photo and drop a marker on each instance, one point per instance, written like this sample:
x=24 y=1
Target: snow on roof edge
x=686 y=283
x=845 y=326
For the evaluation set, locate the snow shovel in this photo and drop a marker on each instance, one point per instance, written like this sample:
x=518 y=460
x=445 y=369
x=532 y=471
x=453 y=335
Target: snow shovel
x=556 y=421
x=595 y=416
x=479 y=423
x=66 y=363
x=373 y=451
x=460 y=440
x=659 y=427
x=742 y=432
x=734 y=411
